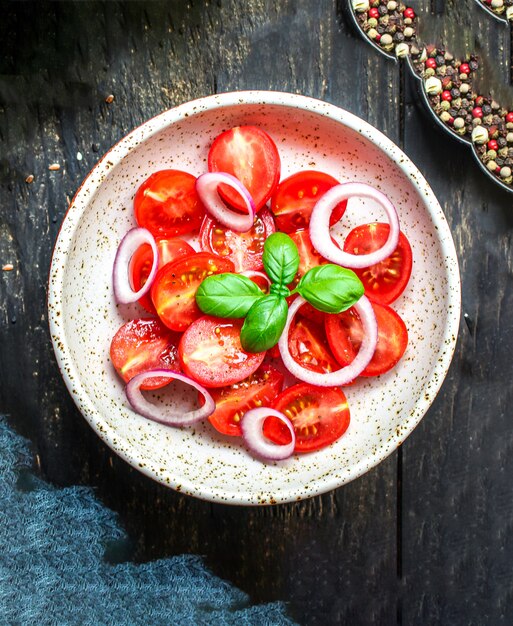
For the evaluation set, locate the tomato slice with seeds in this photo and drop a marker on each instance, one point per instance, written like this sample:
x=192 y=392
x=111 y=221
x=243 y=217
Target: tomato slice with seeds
x=309 y=346
x=210 y=352
x=167 y=204
x=385 y=281
x=173 y=292
x=243 y=249
x=320 y=416
x=142 y=261
x=258 y=389
x=141 y=345
x=345 y=333
x=308 y=255
x=249 y=154
x=296 y=196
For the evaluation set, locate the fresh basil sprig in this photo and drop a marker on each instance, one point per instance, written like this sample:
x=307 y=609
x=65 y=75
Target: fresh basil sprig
x=227 y=295
x=330 y=288
x=280 y=258
x=264 y=323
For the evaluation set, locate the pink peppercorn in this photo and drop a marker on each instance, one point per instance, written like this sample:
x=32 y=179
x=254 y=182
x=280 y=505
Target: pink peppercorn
x=409 y=12
x=446 y=95
x=477 y=112
x=464 y=68
x=431 y=62
x=509 y=118
x=492 y=145
x=374 y=13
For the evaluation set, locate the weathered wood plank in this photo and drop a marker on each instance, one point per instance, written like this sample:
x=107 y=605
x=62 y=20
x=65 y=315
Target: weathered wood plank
x=457 y=506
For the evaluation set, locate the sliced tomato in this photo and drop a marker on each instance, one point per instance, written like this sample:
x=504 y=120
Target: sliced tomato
x=243 y=249
x=345 y=333
x=167 y=204
x=142 y=261
x=308 y=255
x=141 y=345
x=210 y=352
x=249 y=154
x=174 y=289
x=385 y=281
x=258 y=389
x=294 y=199
x=309 y=346
x=320 y=416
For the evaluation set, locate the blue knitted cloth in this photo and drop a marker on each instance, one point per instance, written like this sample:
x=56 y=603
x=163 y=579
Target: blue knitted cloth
x=53 y=571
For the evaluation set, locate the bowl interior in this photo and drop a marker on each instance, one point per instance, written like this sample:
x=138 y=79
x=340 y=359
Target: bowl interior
x=198 y=460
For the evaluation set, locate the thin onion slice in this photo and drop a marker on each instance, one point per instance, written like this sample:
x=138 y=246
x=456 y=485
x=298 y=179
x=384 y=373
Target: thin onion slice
x=320 y=225
x=252 y=426
x=131 y=242
x=346 y=374
x=207 y=188
x=255 y=274
x=164 y=415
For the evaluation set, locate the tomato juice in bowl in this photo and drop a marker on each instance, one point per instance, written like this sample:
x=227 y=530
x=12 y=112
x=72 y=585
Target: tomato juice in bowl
x=310 y=134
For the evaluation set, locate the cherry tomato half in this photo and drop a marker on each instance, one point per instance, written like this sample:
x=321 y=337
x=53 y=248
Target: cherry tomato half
x=142 y=260
x=385 y=281
x=309 y=346
x=173 y=292
x=308 y=255
x=249 y=154
x=320 y=415
x=167 y=204
x=144 y=344
x=243 y=249
x=345 y=332
x=210 y=352
x=258 y=389
x=296 y=196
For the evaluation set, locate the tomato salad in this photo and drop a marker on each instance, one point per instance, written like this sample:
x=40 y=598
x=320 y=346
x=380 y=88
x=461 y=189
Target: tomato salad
x=244 y=288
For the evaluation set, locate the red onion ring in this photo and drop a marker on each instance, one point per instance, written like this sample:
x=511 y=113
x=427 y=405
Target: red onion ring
x=159 y=414
x=252 y=426
x=206 y=186
x=255 y=274
x=320 y=225
x=130 y=243
x=346 y=374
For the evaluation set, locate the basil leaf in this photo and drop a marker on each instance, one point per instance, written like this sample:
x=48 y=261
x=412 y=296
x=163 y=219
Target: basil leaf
x=279 y=290
x=264 y=323
x=280 y=258
x=330 y=288
x=227 y=295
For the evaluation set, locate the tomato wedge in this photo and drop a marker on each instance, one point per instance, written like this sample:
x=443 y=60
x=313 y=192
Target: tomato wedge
x=210 y=352
x=144 y=344
x=385 y=281
x=173 y=292
x=167 y=204
x=243 y=249
x=142 y=260
x=249 y=154
x=309 y=346
x=344 y=332
x=258 y=389
x=294 y=199
x=320 y=416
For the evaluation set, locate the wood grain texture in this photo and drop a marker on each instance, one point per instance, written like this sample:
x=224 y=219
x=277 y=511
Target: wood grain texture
x=443 y=504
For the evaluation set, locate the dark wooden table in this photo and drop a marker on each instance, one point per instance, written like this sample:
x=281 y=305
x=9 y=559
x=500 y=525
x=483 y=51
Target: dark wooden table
x=427 y=536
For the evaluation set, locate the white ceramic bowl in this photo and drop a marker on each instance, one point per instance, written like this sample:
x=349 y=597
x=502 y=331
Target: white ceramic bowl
x=310 y=134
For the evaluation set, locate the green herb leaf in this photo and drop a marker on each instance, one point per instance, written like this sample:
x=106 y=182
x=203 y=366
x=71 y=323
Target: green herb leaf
x=279 y=290
x=227 y=295
x=264 y=324
x=280 y=258
x=330 y=288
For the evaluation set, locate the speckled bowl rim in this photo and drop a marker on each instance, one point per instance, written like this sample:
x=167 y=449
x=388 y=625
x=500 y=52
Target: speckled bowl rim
x=107 y=163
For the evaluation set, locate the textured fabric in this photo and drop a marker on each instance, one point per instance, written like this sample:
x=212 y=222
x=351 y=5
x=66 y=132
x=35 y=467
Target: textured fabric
x=53 y=571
